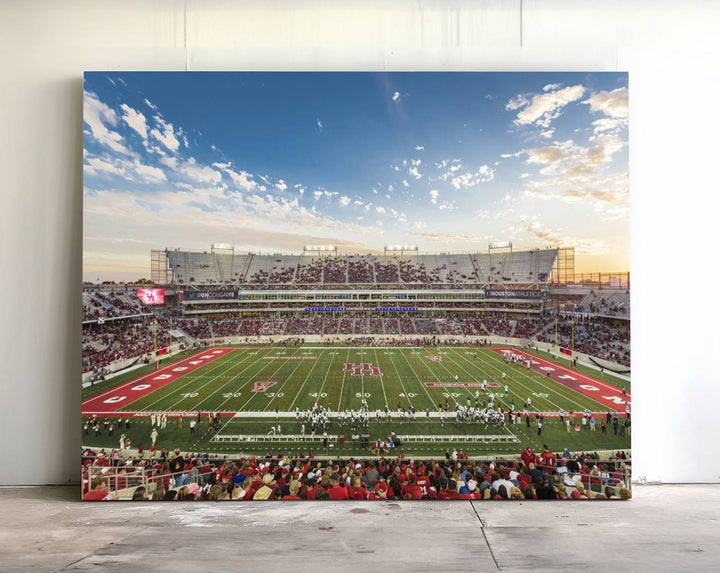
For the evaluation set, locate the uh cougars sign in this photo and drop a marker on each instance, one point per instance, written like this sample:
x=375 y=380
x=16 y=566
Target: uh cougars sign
x=362 y=369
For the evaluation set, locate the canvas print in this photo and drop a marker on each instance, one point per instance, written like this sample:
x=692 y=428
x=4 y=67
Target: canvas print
x=356 y=286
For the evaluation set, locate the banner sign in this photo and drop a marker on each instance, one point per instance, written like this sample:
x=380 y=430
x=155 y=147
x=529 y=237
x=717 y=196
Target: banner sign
x=211 y=295
x=515 y=293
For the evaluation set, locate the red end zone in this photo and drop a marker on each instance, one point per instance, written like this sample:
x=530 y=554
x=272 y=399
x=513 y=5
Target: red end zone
x=606 y=394
x=115 y=398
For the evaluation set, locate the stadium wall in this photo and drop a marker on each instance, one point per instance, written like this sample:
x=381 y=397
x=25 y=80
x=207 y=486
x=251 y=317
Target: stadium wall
x=670 y=48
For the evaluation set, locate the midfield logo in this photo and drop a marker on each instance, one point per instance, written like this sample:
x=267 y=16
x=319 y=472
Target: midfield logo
x=262 y=385
x=362 y=369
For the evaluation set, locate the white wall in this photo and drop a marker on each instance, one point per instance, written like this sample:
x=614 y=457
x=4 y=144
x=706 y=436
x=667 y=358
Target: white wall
x=671 y=50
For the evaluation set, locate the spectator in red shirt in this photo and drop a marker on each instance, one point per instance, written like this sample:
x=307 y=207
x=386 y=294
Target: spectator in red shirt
x=99 y=491
x=337 y=491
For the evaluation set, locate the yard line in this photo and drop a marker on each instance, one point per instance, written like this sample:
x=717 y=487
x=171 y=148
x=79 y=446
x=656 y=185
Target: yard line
x=499 y=397
x=400 y=377
x=427 y=366
x=233 y=379
x=245 y=403
x=556 y=406
x=289 y=376
x=550 y=388
x=504 y=424
x=307 y=377
x=190 y=380
x=342 y=385
x=327 y=372
x=511 y=380
x=377 y=360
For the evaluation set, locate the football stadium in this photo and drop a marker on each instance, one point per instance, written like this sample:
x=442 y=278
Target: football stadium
x=300 y=367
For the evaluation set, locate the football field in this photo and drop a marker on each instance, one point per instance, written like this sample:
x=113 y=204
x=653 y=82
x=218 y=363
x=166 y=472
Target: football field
x=254 y=390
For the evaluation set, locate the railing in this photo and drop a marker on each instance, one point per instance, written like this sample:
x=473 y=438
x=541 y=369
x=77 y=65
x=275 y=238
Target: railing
x=619 y=280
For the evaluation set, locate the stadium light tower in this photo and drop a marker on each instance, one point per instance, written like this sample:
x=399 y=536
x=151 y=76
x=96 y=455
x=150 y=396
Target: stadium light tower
x=499 y=245
x=320 y=249
x=401 y=249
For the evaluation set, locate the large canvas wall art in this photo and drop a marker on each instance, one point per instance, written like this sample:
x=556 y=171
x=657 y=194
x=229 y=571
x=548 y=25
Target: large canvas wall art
x=359 y=286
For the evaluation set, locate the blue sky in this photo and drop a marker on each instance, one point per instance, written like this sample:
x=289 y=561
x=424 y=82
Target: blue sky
x=272 y=161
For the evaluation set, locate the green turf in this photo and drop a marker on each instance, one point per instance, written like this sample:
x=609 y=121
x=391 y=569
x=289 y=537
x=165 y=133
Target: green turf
x=553 y=434
x=226 y=384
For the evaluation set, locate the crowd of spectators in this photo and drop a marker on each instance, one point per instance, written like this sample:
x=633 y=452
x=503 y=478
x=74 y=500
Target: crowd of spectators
x=124 y=339
x=604 y=338
x=111 y=304
x=173 y=476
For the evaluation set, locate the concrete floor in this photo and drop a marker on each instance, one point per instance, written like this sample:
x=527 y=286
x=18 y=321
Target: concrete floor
x=664 y=528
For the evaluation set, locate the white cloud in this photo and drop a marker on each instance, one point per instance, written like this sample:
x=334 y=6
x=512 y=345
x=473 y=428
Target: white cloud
x=381 y=210
x=171 y=162
x=605 y=194
x=612 y=104
x=317 y=195
x=135 y=120
x=405 y=183
x=319 y=124
x=150 y=174
x=582 y=246
x=419 y=148
x=344 y=201
x=570 y=159
x=434 y=194
x=281 y=185
x=98 y=115
x=541 y=109
x=242 y=179
x=483 y=175
x=517 y=102
x=150 y=104
x=416 y=162
x=551 y=87
x=415 y=173
x=525 y=175
x=165 y=134
x=547 y=134
x=201 y=173
x=98 y=164
x=451 y=238
x=396 y=96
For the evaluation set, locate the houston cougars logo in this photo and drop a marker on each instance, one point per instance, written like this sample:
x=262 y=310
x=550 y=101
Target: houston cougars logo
x=362 y=369
x=262 y=385
x=434 y=357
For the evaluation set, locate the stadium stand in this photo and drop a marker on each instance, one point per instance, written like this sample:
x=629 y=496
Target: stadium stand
x=173 y=476
x=521 y=267
x=616 y=304
x=471 y=295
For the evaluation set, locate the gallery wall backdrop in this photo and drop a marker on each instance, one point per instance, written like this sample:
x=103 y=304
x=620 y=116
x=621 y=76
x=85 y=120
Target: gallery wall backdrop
x=668 y=53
